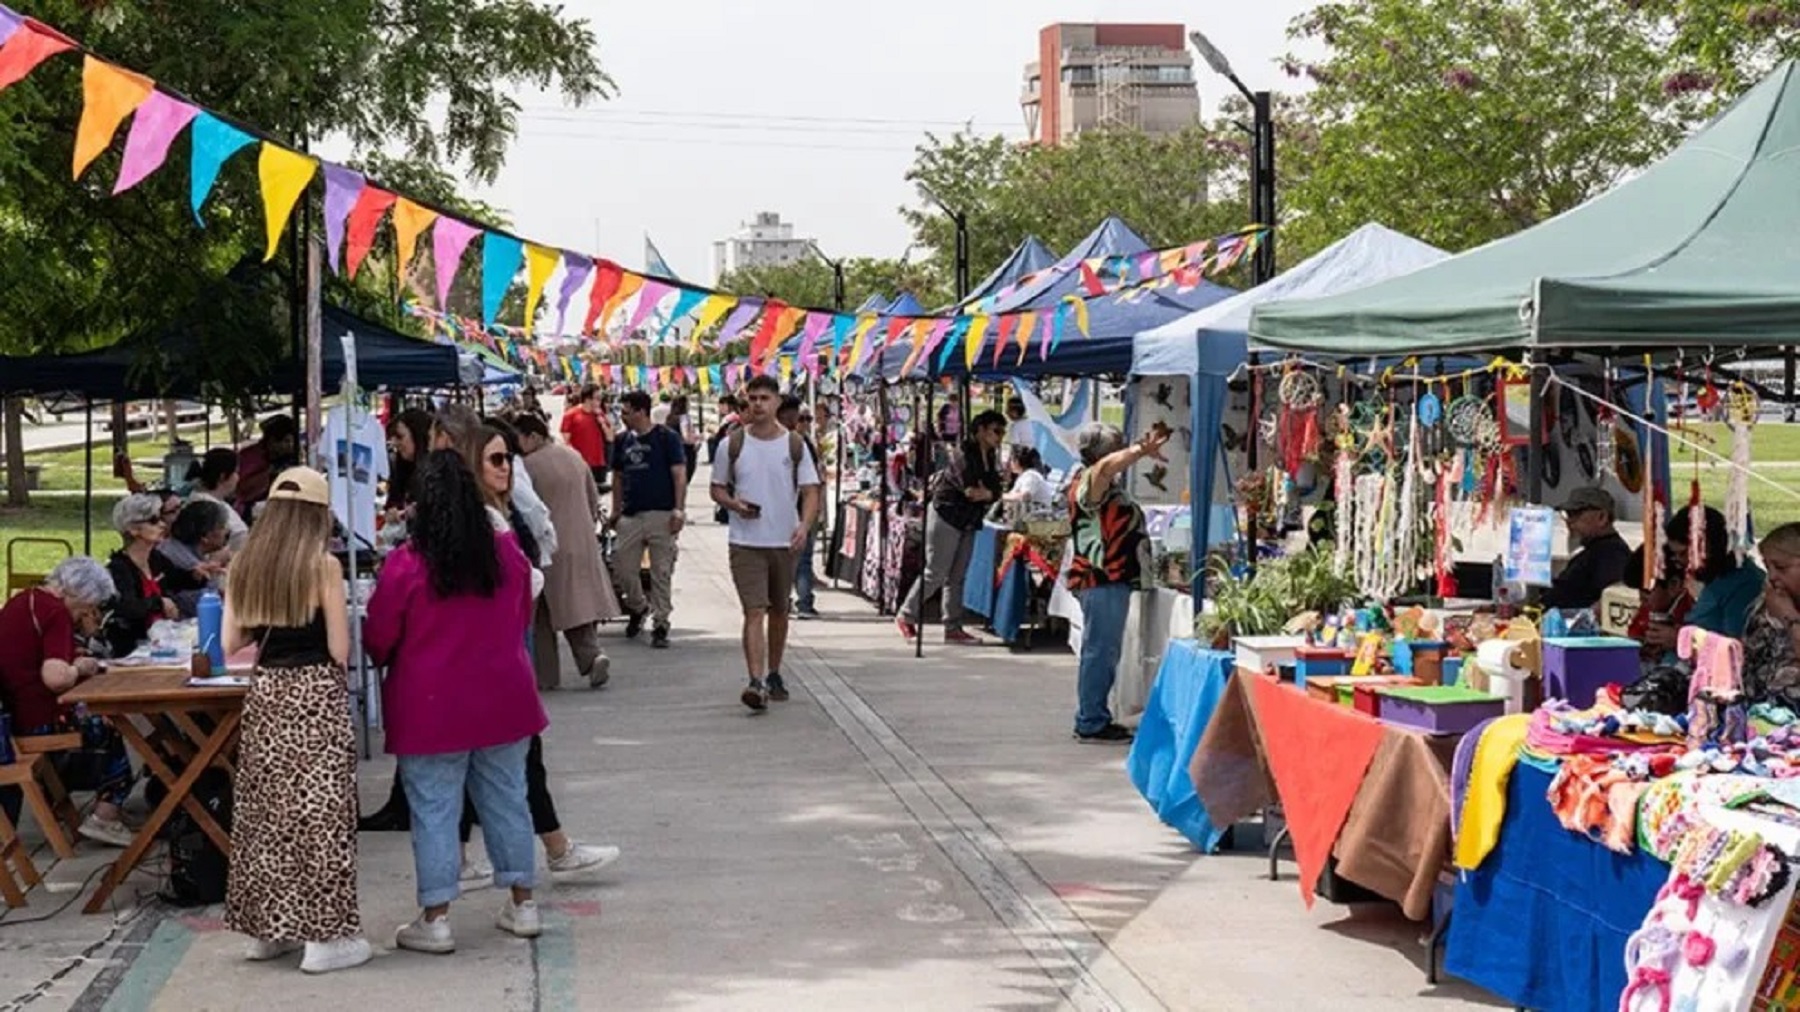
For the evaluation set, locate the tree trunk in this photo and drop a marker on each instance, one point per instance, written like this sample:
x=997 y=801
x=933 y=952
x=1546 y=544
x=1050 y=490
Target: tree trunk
x=16 y=493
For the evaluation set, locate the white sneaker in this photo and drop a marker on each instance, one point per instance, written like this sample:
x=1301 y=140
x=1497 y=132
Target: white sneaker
x=110 y=832
x=337 y=954
x=260 y=951
x=520 y=919
x=476 y=873
x=582 y=858
x=600 y=672
x=426 y=936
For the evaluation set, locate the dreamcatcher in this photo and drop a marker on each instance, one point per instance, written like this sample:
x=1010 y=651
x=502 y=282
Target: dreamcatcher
x=1297 y=424
x=1485 y=465
x=1741 y=411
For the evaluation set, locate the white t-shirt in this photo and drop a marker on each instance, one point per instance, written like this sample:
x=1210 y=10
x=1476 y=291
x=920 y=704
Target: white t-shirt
x=1021 y=433
x=764 y=473
x=1035 y=487
x=354 y=465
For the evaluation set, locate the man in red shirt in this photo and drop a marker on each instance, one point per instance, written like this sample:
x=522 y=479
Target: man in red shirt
x=584 y=429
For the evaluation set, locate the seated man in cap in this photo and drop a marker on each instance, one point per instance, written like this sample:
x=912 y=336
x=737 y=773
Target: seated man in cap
x=1603 y=556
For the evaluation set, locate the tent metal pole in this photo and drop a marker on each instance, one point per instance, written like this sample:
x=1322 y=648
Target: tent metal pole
x=87 y=497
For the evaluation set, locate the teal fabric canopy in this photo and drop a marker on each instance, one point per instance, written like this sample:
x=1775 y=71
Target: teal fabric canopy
x=1700 y=249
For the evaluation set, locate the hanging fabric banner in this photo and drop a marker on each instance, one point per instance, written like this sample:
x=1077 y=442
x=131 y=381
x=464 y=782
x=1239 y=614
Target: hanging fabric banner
x=786 y=324
x=952 y=341
x=787 y=371
x=500 y=255
x=631 y=376
x=365 y=217
x=410 y=221
x=1026 y=323
x=1079 y=310
x=739 y=319
x=607 y=278
x=859 y=337
x=841 y=327
x=920 y=348
x=214 y=141
x=343 y=187
x=159 y=120
x=284 y=175
x=576 y=269
x=109 y=94
x=10 y=23
x=1001 y=337
x=809 y=340
x=972 y=344
x=1090 y=280
x=711 y=311
x=891 y=333
x=764 y=340
x=650 y=293
x=706 y=384
x=449 y=239
x=1052 y=331
x=540 y=263
x=685 y=303
x=27 y=46
x=629 y=284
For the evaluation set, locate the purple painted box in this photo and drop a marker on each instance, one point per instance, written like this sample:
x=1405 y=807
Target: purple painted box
x=1439 y=709
x=1576 y=668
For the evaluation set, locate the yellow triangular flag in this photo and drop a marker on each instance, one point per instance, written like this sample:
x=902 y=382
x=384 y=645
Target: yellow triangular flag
x=787 y=370
x=863 y=326
x=977 y=327
x=1081 y=313
x=540 y=263
x=409 y=221
x=109 y=95
x=284 y=177
x=711 y=311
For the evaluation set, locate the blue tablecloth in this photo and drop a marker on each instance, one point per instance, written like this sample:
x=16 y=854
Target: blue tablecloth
x=1543 y=921
x=1188 y=688
x=978 y=583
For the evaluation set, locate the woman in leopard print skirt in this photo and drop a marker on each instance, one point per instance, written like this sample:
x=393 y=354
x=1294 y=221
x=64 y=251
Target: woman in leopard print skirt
x=293 y=833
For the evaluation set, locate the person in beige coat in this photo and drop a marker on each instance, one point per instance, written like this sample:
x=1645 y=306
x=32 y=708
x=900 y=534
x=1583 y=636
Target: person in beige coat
x=578 y=594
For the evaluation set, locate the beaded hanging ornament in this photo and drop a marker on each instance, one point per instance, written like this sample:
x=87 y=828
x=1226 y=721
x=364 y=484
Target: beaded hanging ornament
x=1741 y=410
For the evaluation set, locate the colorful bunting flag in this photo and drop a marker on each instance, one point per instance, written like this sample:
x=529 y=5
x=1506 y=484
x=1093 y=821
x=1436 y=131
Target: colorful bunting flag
x=809 y=340
x=650 y=292
x=365 y=217
x=284 y=175
x=214 y=141
x=1026 y=322
x=706 y=381
x=740 y=318
x=952 y=340
x=10 y=22
x=28 y=45
x=159 y=119
x=629 y=284
x=787 y=371
x=763 y=341
x=972 y=345
x=1001 y=337
x=109 y=94
x=410 y=220
x=343 y=188
x=450 y=237
x=841 y=328
x=711 y=311
x=540 y=263
x=576 y=269
x=685 y=303
x=607 y=279
x=1078 y=307
x=895 y=325
x=1090 y=280
x=500 y=255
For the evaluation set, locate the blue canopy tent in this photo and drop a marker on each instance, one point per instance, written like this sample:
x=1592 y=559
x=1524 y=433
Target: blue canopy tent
x=1211 y=344
x=1030 y=257
x=1111 y=237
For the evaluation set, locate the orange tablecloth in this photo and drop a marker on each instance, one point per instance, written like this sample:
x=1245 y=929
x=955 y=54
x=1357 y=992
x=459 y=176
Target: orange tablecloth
x=1376 y=797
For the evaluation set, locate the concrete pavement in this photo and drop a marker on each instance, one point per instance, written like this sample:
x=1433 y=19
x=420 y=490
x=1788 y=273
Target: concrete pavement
x=902 y=834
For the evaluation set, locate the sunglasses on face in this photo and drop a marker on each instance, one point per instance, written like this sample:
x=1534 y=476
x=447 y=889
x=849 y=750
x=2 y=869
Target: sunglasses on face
x=498 y=460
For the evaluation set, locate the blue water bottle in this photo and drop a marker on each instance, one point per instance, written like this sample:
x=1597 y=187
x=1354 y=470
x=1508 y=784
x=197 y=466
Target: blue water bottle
x=211 y=613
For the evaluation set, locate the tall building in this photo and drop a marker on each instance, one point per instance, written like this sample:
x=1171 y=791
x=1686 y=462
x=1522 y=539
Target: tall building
x=763 y=241
x=1094 y=77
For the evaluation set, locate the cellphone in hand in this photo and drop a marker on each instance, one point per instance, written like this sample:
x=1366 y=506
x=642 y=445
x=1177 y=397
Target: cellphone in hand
x=754 y=509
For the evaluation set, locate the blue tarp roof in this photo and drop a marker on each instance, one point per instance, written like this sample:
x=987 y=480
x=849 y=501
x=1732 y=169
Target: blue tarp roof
x=905 y=305
x=1030 y=257
x=1111 y=237
x=1219 y=333
x=1113 y=326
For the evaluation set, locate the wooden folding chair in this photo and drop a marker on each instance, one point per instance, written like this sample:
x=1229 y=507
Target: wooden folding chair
x=15 y=865
x=31 y=772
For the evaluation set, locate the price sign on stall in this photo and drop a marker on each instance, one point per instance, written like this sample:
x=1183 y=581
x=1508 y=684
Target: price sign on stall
x=1530 y=545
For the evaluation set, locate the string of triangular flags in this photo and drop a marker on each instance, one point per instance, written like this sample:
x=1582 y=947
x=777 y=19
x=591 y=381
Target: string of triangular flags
x=621 y=304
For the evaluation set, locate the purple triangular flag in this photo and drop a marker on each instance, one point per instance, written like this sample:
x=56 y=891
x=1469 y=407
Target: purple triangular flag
x=740 y=317
x=576 y=269
x=449 y=237
x=342 y=187
x=153 y=128
x=10 y=22
x=809 y=339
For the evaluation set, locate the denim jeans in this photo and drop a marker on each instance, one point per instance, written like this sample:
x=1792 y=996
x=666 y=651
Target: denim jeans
x=804 y=597
x=495 y=781
x=1103 y=613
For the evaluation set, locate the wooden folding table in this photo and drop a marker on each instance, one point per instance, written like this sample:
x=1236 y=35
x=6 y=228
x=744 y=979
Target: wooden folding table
x=191 y=728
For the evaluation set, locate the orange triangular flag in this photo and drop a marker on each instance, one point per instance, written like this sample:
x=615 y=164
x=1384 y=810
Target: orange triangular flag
x=110 y=94
x=409 y=220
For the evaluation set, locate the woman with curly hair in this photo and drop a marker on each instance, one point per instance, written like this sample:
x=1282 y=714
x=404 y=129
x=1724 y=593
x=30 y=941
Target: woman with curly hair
x=448 y=620
x=293 y=831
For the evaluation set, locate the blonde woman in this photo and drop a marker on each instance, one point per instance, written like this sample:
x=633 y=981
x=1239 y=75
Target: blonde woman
x=293 y=832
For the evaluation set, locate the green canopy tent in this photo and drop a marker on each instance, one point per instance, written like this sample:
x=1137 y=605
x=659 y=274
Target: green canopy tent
x=1702 y=249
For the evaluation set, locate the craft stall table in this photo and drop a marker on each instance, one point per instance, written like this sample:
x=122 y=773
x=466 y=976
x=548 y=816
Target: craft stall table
x=1188 y=689
x=1004 y=569
x=190 y=729
x=1373 y=796
x=874 y=575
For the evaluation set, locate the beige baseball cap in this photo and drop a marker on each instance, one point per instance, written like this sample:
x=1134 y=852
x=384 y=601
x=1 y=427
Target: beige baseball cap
x=301 y=484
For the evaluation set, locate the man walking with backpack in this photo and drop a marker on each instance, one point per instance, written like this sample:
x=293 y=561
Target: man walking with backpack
x=769 y=487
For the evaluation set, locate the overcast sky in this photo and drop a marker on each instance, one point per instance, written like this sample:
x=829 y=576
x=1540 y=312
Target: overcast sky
x=810 y=108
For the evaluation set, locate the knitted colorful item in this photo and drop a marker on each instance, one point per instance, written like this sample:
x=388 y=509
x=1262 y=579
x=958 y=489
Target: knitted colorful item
x=1717 y=711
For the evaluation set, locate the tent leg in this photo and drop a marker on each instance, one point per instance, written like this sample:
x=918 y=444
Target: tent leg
x=87 y=497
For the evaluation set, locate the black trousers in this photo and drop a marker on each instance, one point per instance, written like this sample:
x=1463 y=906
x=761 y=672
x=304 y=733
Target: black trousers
x=537 y=796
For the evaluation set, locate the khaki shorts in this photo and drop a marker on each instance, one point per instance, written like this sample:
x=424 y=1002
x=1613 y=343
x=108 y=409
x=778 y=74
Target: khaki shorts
x=764 y=577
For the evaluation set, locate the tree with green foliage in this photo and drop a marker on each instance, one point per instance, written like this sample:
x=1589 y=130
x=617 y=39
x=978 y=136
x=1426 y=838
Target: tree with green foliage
x=1461 y=121
x=1171 y=188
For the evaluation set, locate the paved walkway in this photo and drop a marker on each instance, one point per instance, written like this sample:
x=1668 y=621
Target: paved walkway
x=902 y=834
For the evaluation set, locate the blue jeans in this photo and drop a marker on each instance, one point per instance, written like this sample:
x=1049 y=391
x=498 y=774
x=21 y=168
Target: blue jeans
x=495 y=781
x=1103 y=613
x=804 y=598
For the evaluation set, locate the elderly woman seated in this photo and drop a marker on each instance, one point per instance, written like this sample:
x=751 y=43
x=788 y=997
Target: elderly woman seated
x=145 y=583
x=39 y=661
x=201 y=530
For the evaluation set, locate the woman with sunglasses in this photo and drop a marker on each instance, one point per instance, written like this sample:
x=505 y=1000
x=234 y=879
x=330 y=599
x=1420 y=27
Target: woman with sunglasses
x=145 y=582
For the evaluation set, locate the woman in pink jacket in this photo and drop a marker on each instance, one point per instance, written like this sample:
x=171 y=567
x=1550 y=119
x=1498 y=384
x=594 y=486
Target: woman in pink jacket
x=448 y=619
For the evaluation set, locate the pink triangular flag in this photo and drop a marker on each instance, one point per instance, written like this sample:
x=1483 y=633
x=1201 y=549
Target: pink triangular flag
x=155 y=125
x=649 y=295
x=448 y=240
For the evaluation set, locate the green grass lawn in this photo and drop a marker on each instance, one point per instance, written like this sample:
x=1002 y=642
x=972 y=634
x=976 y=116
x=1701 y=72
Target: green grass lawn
x=1772 y=443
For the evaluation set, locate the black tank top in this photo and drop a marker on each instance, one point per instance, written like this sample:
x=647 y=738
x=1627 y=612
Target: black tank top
x=294 y=646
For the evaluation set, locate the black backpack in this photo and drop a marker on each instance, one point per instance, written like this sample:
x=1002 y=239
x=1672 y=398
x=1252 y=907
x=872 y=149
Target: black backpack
x=198 y=869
